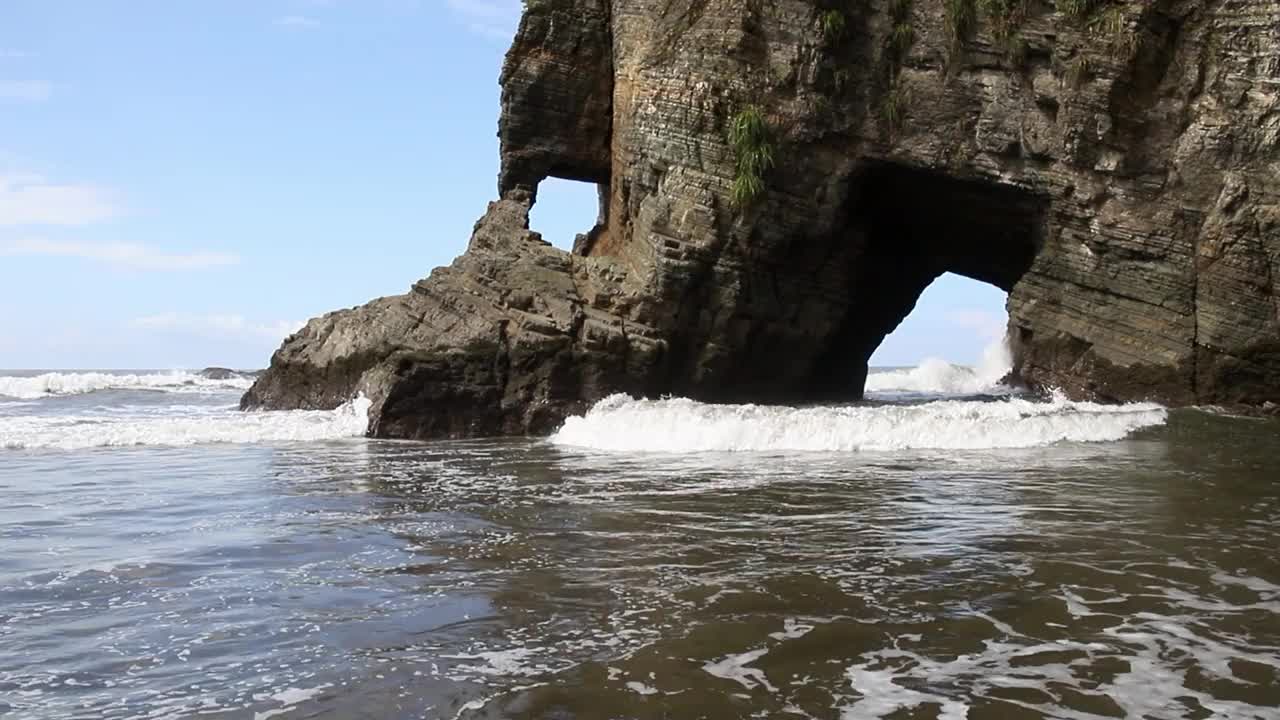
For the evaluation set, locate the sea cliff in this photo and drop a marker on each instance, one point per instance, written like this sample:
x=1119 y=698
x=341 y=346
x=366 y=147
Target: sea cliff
x=780 y=180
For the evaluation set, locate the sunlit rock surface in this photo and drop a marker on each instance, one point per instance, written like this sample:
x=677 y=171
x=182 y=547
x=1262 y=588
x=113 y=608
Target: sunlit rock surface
x=1121 y=184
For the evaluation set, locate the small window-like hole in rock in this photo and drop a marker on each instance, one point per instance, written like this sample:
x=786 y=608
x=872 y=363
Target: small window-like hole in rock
x=565 y=209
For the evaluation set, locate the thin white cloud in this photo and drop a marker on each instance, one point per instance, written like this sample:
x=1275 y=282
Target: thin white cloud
x=495 y=19
x=125 y=255
x=25 y=90
x=985 y=324
x=11 y=54
x=218 y=323
x=297 y=22
x=27 y=199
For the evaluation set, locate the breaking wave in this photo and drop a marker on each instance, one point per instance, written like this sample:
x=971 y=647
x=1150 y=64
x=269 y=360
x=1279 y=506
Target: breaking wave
x=939 y=377
x=74 y=432
x=620 y=423
x=79 y=383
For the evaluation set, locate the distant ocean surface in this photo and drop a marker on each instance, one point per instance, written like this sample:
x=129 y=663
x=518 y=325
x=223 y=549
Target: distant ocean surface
x=945 y=549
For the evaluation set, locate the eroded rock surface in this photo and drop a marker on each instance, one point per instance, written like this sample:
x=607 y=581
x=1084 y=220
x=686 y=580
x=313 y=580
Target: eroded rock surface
x=1121 y=179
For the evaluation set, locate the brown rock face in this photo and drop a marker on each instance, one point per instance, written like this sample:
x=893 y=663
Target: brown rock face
x=1117 y=173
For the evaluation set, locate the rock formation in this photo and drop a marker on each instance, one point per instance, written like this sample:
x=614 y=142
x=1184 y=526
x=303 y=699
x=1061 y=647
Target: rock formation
x=1115 y=166
x=218 y=373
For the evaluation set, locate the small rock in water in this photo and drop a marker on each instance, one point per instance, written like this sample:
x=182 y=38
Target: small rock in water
x=218 y=373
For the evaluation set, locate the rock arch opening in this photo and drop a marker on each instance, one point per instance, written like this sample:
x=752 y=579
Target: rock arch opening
x=569 y=214
x=910 y=227
x=951 y=344
x=955 y=319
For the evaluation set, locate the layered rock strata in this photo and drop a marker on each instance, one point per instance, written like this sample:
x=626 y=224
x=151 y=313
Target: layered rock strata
x=1114 y=167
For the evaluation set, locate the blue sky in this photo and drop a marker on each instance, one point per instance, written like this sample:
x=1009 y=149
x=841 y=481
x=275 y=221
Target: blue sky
x=183 y=182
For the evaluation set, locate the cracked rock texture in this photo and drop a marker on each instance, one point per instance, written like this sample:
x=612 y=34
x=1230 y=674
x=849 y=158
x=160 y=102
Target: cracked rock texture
x=1120 y=179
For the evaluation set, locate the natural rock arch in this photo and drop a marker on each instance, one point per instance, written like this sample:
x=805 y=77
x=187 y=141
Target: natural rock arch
x=914 y=226
x=1124 y=193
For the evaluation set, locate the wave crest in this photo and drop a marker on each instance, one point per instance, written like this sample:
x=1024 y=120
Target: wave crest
x=54 y=383
x=935 y=376
x=620 y=423
x=72 y=432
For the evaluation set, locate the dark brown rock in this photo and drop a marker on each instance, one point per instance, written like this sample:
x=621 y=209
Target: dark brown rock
x=218 y=373
x=1122 y=187
x=509 y=339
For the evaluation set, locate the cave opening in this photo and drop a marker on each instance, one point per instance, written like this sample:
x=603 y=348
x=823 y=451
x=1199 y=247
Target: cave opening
x=956 y=319
x=910 y=227
x=567 y=213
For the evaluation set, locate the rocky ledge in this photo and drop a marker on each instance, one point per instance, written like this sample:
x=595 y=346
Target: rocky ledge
x=780 y=181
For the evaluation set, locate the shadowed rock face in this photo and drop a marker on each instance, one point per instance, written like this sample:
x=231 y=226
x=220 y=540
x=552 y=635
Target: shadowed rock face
x=1123 y=188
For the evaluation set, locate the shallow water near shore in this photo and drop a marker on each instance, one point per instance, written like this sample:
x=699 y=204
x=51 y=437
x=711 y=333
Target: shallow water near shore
x=927 y=555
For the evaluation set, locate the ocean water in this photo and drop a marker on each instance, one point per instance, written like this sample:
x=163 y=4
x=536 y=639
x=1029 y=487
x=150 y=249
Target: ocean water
x=948 y=549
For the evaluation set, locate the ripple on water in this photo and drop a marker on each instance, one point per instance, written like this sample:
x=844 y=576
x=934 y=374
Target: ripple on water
x=518 y=579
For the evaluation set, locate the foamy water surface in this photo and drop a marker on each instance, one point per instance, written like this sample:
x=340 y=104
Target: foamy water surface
x=621 y=423
x=948 y=550
x=29 y=386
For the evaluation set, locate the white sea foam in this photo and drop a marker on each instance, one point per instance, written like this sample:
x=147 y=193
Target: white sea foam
x=620 y=423
x=738 y=669
x=1158 y=653
x=939 y=377
x=290 y=697
x=72 y=432
x=56 y=383
x=514 y=661
x=14 y=404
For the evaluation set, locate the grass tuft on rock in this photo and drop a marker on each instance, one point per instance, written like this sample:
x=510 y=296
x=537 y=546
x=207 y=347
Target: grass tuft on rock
x=900 y=39
x=833 y=26
x=753 y=154
x=1006 y=17
x=893 y=107
x=1074 y=10
x=959 y=16
x=901 y=33
x=1112 y=26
